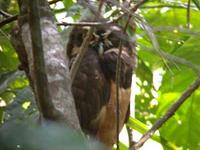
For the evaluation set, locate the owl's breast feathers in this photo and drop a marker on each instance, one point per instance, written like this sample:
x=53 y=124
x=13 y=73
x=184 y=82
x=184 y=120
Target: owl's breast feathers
x=94 y=89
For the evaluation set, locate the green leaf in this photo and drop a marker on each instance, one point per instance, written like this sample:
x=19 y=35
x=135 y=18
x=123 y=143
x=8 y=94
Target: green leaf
x=178 y=80
x=1 y=115
x=141 y=127
x=8 y=57
x=16 y=111
x=7 y=97
x=197 y=3
x=121 y=147
x=183 y=128
x=144 y=97
x=20 y=83
x=190 y=50
x=184 y=125
x=7 y=77
x=68 y=3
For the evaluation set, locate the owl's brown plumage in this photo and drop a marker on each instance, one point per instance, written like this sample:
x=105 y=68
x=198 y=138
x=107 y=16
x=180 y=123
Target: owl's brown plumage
x=94 y=87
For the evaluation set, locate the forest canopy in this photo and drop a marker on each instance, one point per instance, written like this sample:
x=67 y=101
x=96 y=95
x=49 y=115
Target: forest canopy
x=167 y=36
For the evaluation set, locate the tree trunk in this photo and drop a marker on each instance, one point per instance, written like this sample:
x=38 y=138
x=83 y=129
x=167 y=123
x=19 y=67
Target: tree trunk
x=55 y=63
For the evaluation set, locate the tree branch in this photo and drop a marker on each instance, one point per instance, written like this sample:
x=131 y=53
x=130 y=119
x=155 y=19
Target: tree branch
x=175 y=59
x=130 y=136
x=166 y=5
x=84 y=45
x=179 y=29
x=117 y=78
x=82 y=23
x=38 y=61
x=8 y=20
x=169 y=113
x=126 y=11
x=188 y=14
x=118 y=66
x=5 y=14
x=54 y=1
x=14 y=17
x=77 y=61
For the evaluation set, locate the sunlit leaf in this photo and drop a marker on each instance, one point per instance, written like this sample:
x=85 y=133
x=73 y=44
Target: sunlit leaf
x=197 y=3
x=68 y=3
x=8 y=57
x=185 y=122
x=141 y=127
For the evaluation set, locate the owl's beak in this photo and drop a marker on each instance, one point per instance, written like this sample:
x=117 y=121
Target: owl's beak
x=100 y=50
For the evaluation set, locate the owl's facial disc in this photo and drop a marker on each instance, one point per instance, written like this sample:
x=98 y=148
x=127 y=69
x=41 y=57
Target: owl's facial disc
x=100 y=41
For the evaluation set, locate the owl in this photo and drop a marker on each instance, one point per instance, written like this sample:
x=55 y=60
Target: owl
x=94 y=86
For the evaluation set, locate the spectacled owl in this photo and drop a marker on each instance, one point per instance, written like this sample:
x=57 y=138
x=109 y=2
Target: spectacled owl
x=94 y=86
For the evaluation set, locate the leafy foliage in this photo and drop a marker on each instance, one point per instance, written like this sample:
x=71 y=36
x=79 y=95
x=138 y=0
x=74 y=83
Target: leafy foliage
x=169 y=26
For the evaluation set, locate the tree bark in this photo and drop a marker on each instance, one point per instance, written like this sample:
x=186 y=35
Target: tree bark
x=55 y=63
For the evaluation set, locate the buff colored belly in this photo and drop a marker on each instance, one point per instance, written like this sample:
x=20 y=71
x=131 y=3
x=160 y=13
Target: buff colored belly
x=107 y=129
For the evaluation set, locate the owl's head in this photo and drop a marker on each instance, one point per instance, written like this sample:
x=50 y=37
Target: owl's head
x=103 y=38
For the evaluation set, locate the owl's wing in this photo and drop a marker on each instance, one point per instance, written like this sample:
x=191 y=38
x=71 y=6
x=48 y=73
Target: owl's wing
x=91 y=92
x=127 y=65
x=107 y=129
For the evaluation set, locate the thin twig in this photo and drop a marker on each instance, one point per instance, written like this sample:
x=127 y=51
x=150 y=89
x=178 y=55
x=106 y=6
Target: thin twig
x=78 y=59
x=188 y=14
x=173 y=58
x=130 y=136
x=83 y=48
x=118 y=66
x=82 y=23
x=126 y=11
x=118 y=81
x=179 y=29
x=100 y=6
x=169 y=113
x=5 y=14
x=129 y=11
x=14 y=17
x=54 y=1
x=166 y=5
